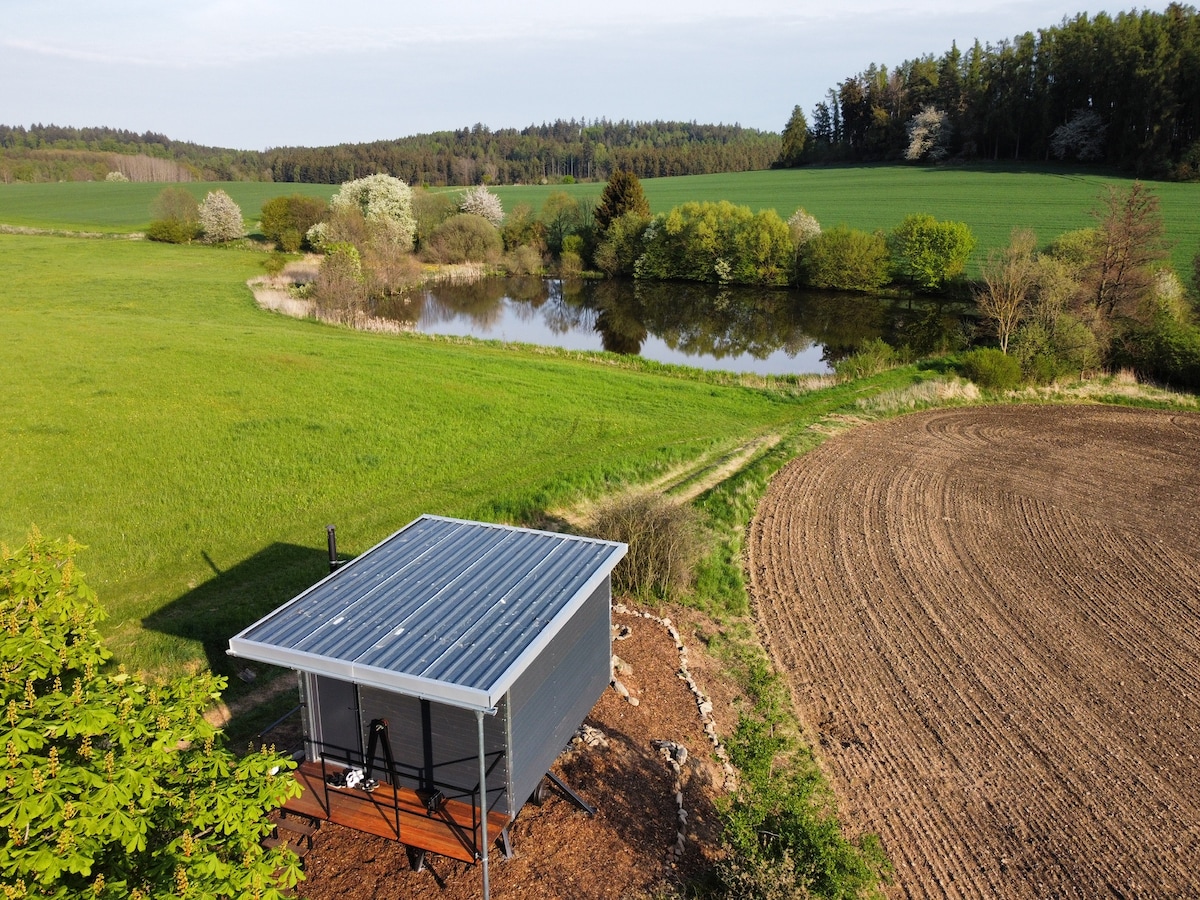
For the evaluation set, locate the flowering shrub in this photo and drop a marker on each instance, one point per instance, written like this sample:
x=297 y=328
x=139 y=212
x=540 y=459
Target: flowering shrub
x=803 y=226
x=220 y=218
x=479 y=201
x=384 y=202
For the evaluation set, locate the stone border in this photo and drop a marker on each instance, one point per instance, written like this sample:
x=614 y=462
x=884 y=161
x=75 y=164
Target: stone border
x=674 y=753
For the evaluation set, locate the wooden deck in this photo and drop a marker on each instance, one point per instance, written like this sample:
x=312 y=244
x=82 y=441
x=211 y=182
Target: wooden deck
x=451 y=831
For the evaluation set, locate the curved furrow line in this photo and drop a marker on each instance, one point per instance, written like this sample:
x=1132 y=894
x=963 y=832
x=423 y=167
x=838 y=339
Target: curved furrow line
x=988 y=617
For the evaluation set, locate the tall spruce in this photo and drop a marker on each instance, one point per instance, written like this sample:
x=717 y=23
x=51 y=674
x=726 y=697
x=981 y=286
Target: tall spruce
x=622 y=194
x=795 y=140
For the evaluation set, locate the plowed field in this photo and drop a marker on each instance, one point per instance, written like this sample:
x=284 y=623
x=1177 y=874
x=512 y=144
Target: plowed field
x=990 y=619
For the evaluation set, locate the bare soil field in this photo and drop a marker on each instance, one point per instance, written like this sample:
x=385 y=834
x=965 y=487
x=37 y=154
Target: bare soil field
x=990 y=620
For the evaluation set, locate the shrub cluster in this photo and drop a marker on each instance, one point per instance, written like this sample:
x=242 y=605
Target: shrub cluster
x=664 y=541
x=286 y=220
x=991 y=369
x=465 y=237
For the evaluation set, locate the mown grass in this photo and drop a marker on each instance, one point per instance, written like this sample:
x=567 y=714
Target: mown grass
x=991 y=199
x=199 y=446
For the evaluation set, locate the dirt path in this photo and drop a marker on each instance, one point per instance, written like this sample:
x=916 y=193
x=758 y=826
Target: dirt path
x=990 y=619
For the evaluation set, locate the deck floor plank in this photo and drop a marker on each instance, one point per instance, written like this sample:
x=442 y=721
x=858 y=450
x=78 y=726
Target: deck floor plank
x=450 y=831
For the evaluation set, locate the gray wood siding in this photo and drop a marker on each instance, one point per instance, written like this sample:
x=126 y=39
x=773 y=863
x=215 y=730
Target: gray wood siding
x=558 y=690
x=454 y=738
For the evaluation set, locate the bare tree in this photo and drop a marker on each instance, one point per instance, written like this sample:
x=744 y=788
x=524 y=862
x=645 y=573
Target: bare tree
x=1129 y=241
x=1008 y=278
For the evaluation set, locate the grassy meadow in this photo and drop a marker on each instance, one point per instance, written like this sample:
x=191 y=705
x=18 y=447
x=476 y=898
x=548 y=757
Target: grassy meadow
x=992 y=199
x=198 y=445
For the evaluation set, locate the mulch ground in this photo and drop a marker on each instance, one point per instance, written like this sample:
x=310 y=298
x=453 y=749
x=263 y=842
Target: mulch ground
x=990 y=619
x=560 y=851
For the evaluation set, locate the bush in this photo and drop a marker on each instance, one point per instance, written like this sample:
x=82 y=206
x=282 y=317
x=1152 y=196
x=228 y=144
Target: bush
x=385 y=204
x=1167 y=351
x=928 y=252
x=286 y=220
x=664 y=542
x=523 y=229
x=464 y=238
x=845 y=259
x=991 y=369
x=622 y=244
x=718 y=242
x=523 y=261
x=871 y=358
x=340 y=285
x=570 y=264
x=176 y=217
x=116 y=786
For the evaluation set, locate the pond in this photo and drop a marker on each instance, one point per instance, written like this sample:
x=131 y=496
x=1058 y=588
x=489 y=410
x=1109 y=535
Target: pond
x=738 y=329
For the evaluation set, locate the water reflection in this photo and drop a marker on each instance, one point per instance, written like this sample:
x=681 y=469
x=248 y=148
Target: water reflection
x=734 y=328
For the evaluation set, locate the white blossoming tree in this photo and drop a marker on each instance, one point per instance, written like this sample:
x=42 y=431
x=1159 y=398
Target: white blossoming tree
x=479 y=201
x=928 y=135
x=803 y=226
x=1081 y=138
x=221 y=218
x=385 y=203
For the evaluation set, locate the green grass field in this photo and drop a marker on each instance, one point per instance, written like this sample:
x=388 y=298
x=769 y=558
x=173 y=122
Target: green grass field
x=112 y=208
x=199 y=445
x=992 y=200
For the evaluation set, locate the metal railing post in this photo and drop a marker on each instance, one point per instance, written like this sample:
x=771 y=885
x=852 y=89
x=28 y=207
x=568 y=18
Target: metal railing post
x=483 y=819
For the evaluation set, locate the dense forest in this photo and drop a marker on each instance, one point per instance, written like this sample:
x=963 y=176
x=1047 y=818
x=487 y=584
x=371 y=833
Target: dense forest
x=575 y=149
x=1122 y=91
x=578 y=149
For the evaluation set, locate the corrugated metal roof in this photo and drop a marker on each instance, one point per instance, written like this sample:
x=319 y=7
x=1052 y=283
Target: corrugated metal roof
x=445 y=609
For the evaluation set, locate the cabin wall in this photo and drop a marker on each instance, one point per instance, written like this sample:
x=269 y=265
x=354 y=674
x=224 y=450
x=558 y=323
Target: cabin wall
x=553 y=696
x=331 y=719
x=451 y=741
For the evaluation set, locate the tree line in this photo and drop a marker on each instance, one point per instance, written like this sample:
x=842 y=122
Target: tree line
x=563 y=150
x=1118 y=90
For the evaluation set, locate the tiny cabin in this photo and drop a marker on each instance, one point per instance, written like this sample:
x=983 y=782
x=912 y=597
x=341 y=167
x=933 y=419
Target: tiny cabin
x=441 y=674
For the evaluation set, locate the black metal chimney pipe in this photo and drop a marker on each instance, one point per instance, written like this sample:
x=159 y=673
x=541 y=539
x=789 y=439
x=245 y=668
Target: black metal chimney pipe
x=334 y=562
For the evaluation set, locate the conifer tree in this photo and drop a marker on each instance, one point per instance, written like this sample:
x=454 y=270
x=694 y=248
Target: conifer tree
x=622 y=194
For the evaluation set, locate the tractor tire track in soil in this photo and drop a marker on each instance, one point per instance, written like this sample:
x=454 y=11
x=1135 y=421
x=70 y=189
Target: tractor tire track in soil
x=990 y=622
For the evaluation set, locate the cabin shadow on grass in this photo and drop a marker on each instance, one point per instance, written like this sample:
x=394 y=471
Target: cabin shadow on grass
x=235 y=598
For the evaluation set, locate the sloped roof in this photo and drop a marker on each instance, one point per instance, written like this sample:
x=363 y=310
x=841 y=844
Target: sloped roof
x=444 y=609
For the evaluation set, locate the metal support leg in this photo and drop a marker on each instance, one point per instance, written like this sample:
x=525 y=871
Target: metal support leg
x=571 y=795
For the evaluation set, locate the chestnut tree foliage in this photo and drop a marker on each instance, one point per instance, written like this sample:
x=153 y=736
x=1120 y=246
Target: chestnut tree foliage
x=114 y=785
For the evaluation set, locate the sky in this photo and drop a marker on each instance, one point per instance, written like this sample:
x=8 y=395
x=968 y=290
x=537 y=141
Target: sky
x=255 y=74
